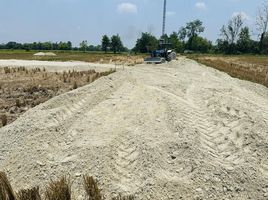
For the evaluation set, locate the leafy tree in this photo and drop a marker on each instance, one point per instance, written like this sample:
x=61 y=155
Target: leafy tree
x=69 y=45
x=182 y=33
x=222 y=46
x=232 y=30
x=83 y=45
x=244 y=42
x=230 y=34
x=190 y=31
x=116 y=43
x=194 y=28
x=147 y=43
x=265 y=44
x=105 y=43
x=199 y=44
x=262 y=22
x=176 y=42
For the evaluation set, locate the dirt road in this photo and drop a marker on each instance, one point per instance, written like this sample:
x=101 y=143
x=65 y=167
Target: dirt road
x=173 y=131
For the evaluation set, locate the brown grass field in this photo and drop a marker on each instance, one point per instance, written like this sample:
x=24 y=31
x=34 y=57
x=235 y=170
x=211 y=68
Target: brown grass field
x=251 y=68
x=22 y=89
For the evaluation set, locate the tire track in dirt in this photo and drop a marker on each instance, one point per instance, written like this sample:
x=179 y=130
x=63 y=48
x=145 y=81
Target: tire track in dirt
x=224 y=141
x=149 y=133
x=74 y=106
x=125 y=155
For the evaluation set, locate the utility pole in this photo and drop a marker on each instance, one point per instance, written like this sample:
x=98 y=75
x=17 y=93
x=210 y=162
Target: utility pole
x=164 y=18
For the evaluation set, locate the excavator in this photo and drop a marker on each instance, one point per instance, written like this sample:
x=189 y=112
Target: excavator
x=165 y=53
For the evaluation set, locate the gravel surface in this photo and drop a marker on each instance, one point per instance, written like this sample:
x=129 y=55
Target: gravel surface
x=56 y=66
x=173 y=131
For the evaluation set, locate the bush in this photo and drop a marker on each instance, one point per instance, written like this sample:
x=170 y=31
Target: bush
x=92 y=189
x=58 y=190
x=6 y=192
x=29 y=194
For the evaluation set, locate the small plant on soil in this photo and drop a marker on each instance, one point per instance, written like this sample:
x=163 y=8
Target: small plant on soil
x=58 y=190
x=4 y=120
x=6 y=192
x=29 y=194
x=92 y=190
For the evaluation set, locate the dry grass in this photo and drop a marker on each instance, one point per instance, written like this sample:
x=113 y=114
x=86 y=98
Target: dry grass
x=29 y=194
x=22 y=88
x=4 y=119
x=58 y=190
x=254 y=69
x=92 y=190
x=120 y=197
x=96 y=57
x=6 y=191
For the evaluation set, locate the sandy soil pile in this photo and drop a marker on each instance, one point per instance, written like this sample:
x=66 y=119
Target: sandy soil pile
x=173 y=131
x=57 y=66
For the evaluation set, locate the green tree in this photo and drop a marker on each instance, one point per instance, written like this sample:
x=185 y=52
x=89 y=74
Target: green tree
x=232 y=30
x=116 y=43
x=190 y=31
x=244 y=43
x=147 y=43
x=262 y=22
x=69 y=45
x=194 y=28
x=200 y=44
x=265 y=44
x=83 y=45
x=182 y=33
x=105 y=43
x=176 y=43
x=230 y=34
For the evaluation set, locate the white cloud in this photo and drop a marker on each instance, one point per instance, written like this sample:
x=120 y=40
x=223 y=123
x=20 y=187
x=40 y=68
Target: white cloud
x=127 y=8
x=201 y=5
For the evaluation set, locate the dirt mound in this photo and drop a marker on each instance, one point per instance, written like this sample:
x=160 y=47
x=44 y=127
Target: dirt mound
x=45 y=54
x=173 y=131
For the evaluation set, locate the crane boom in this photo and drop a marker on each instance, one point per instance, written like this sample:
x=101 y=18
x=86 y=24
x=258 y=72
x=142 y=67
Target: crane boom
x=164 y=18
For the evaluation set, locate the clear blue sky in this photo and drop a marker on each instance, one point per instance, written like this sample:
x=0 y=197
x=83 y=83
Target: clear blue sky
x=77 y=20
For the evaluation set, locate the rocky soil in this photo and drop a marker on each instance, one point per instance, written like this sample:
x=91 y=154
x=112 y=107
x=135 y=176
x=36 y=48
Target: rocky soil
x=173 y=131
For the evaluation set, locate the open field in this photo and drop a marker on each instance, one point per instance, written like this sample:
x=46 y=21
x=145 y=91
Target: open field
x=95 y=57
x=22 y=88
x=249 y=67
x=179 y=130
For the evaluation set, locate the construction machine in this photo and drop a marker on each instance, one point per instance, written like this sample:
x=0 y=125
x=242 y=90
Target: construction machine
x=165 y=53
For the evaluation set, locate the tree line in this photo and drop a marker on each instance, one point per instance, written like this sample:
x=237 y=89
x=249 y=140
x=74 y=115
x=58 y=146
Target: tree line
x=113 y=44
x=235 y=37
x=38 y=46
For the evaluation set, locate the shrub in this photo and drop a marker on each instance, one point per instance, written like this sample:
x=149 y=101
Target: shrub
x=58 y=190
x=29 y=194
x=92 y=190
x=6 y=191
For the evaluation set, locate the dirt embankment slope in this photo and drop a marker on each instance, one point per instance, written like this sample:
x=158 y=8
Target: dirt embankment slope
x=173 y=131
